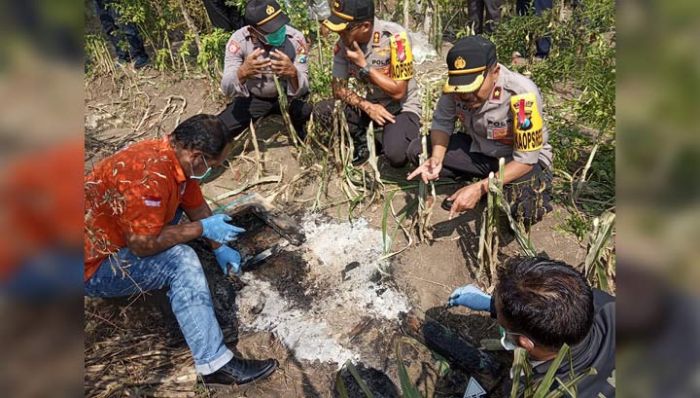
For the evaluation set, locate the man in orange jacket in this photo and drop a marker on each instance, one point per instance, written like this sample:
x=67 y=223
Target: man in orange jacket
x=134 y=243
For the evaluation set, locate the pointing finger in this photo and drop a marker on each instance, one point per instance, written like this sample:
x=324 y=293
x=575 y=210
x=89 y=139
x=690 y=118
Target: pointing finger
x=414 y=173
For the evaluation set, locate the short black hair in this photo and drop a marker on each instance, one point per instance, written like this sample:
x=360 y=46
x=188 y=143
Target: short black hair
x=202 y=132
x=546 y=300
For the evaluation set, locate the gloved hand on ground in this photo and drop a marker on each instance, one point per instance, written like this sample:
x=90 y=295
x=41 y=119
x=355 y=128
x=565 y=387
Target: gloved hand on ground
x=471 y=297
x=229 y=259
x=217 y=229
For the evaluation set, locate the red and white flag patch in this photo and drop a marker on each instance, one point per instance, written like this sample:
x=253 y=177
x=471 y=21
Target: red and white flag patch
x=152 y=201
x=233 y=47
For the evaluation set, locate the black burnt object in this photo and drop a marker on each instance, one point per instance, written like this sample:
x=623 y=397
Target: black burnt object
x=349 y=268
x=447 y=204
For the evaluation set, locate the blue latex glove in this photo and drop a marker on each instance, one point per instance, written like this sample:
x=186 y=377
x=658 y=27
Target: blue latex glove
x=228 y=259
x=217 y=229
x=470 y=296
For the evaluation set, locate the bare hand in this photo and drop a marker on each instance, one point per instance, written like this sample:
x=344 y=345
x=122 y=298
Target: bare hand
x=429 y=170
x=254 y=64
x=355 y=55
x=282 y=65
x=379 y=114
x=466 y=198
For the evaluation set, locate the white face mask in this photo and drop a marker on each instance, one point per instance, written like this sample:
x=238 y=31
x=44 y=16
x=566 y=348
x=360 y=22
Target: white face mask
x=203 y=175
x=506 y=342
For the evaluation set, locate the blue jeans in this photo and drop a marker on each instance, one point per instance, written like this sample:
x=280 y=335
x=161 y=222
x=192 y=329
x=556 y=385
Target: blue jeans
x=179 y=269
x=49 y=274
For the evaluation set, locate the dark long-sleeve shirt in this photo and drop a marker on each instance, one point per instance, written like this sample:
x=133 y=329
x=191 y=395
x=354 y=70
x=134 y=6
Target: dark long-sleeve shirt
x=597 y=350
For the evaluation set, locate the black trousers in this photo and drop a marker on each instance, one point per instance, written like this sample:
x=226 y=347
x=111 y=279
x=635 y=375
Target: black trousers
x=223 y=16
x=396 y=138
x=242 y=110
x=522 y=7
x=476 y=15
x=529 y=195
x=116 y=31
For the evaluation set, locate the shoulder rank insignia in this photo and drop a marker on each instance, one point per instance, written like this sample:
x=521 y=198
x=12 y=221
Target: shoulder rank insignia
x=497 y=91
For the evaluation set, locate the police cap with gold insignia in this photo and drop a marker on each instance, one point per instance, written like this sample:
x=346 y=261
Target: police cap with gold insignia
x=345 y=11
x=265 y=15
x=468 y=61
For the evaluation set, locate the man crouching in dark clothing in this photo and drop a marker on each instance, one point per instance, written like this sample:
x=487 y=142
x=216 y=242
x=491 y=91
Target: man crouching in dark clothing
x=540 y=305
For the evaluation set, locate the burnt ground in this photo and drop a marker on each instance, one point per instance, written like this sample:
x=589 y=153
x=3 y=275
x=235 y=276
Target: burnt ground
x=133 y=345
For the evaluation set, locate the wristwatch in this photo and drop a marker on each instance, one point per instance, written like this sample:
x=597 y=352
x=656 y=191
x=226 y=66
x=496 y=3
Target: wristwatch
x=363 y=73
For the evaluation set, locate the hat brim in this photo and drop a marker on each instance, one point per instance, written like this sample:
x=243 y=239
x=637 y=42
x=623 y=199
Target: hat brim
x=275 y=23
x=463 y=83
x=335 y=23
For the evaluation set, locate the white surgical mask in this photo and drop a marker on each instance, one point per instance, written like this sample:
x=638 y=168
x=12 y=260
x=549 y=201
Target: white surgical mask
x=203 y=175
x=506 y=342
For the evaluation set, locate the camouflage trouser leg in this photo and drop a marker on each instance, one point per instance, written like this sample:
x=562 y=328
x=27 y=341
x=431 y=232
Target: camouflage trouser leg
x=530 y=196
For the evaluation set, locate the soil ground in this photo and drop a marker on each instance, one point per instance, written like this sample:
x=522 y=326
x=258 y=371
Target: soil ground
x=133 y=345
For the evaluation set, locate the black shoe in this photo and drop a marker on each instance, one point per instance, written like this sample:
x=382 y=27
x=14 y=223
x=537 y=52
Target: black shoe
x=361 y=156
x=241 y=371
x=141 y=61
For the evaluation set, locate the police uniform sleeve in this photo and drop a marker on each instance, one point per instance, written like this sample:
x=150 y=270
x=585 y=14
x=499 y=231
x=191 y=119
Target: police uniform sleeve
x=340 y=63
x=233 y=60
x=301 y=65
x=527 y=145
x=445 y=114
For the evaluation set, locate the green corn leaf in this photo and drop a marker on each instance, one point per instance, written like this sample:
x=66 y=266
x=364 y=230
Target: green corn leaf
x=548 y=380
x=409 y=390
x=358 y=379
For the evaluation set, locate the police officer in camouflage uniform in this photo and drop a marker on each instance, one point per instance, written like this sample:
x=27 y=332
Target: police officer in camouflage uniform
x=500 y=115
x=378 y=54
x=267 y=46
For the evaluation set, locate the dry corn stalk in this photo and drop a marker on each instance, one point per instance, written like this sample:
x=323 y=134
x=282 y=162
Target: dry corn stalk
x=595 y=269
x=372 y=160
x=102 y=60
x=521 y=236
x=487 y=256
x=285 y=115
x=425 y=203
x=258 y=158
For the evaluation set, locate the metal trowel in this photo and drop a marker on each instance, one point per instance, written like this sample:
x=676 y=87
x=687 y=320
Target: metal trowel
x=255 y=260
